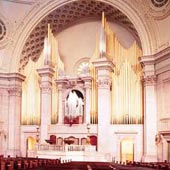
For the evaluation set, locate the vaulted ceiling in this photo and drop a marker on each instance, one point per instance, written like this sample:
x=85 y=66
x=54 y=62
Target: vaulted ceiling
x=67 y=15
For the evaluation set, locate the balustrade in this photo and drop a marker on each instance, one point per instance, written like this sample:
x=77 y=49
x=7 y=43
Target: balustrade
x=64 y=148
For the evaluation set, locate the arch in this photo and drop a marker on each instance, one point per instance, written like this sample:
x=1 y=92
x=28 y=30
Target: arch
x=78 y=92
x=127 y=150
x=74 y=107
x=78 y=64
x=81 y=91
x=43 y=9
x=30 y=143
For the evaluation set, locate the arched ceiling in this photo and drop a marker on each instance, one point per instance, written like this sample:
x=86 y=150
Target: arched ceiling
x=67 y=15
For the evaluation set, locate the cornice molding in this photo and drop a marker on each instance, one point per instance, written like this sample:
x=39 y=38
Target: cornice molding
x=156 y=58
x=11 y=80
x=69 y=82
x=147 y=60
x=104 y=64
x=12 y=76
x=162 y=55
x=46 y=71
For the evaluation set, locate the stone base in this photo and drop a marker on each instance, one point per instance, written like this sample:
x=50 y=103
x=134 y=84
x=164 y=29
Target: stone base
x=149 y=158
x=74 y=156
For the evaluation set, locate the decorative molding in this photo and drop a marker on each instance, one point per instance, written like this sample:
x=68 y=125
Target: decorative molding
x=46 y=87
x=15 y=91
x=27 y=2
x=103 y=64
x=46 y=71
x=149 y=80
x=88 y=85
x=162 y=55
x=3 y=30
x=73 y=82
x=5 y=34
x=167 y=80
x=162 y=61
x=147 y=60
x=156 y=59
x=158 y=3
x=82 y=66
x=159 y=9
x=104 y=83
x=10 y=80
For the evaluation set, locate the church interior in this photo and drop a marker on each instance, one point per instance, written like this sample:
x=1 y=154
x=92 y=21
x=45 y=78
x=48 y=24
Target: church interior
x=85 y=80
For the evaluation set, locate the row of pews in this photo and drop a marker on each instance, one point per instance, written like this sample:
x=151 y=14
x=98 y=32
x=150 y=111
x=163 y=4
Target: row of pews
x=25 y=163
x=152 y=165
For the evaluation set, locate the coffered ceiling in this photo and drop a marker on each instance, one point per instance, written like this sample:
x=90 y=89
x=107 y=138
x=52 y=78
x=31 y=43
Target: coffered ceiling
x=67 y=15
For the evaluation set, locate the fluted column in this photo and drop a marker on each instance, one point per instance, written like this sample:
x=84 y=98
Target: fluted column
x=150 y=118
x=14 y=118
x=104 y=69
x=87 y=85
x=46 y=75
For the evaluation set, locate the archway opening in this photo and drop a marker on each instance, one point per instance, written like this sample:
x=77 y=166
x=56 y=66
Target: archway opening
x=127 y=150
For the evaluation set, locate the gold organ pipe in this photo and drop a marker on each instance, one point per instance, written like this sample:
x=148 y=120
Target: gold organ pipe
x=103 y=19
x=125 y=80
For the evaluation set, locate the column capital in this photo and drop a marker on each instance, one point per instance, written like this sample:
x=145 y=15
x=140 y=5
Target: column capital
x=13 y=82
x=61 y=82
x=104 y=83
x=15 y=91
x=87 y=85
x=11 y=79
x=149 y=80
x=46 y=87
x=87 y=81
x=46 y=73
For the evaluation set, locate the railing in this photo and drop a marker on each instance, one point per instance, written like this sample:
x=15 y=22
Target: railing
x=63 y=148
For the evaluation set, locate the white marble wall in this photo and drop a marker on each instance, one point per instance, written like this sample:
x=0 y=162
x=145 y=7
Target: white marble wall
x=163 y=106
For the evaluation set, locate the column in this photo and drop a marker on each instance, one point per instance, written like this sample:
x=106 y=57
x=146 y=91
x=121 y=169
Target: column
x=60 y=103
x=46 y=75
x=150 y=112
x=14 y=117
x=150 y=118
x=87 y=85
x=104 y=69
x=60 y=82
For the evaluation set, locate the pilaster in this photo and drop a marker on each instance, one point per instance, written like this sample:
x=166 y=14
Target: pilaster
x=14 y=117
x=104 y=69
x=46 y=74
x=87 y=86
x=150 y=110
x=61 y=86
